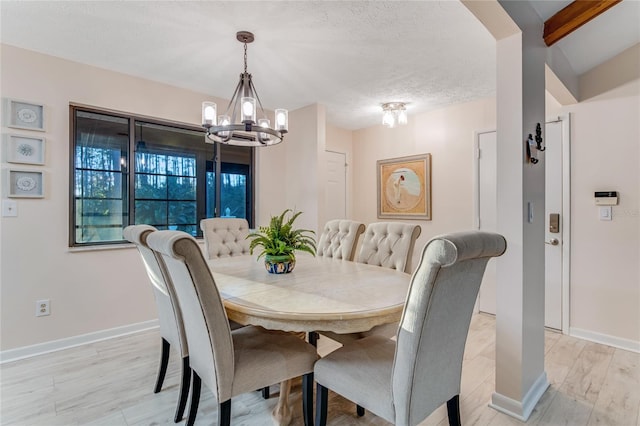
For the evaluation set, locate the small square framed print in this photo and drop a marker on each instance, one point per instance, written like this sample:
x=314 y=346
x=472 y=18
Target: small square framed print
x=24 y=115
x=25 y=184
x=24 y=149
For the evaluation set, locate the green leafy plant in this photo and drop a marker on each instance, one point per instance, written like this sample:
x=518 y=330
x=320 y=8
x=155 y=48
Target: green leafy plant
x=281 y=239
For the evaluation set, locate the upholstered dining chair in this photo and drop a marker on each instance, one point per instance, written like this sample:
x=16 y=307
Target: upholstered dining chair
x=405 y=381
x=228 y=362
x=169 y=315
x=389 y=245
x=339 y=239
x=225 y=237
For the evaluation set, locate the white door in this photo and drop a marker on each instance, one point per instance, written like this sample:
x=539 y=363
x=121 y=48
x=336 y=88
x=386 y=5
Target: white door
x=553 y=237
x=486 y=211
x=336 y=189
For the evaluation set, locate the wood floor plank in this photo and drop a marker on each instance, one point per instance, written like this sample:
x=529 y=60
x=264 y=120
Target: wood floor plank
x=110 y=383
x=585 y=379
x=618 y=401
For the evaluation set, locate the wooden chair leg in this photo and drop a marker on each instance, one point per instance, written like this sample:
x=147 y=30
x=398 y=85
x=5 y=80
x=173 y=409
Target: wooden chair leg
x=265 y=392
x=224 y=413
x=162 y=369
x=453 y=409
x=307 y=399
x=359 y=410
x=184 y=389
x=196 y=383
x=322 y=396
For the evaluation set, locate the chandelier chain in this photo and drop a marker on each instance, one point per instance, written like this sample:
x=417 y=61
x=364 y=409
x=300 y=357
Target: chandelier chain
x=245 y=58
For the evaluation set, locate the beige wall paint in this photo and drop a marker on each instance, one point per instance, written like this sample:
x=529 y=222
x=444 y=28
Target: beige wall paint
x=89 y=290
x=36 y=263
x=448 y=135
x=605 y=257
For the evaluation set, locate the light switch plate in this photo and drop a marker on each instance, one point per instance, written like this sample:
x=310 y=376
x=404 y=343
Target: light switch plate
x=605 y=213
x=9 y=208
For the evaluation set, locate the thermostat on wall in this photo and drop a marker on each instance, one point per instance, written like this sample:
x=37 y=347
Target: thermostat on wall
x=606 y=198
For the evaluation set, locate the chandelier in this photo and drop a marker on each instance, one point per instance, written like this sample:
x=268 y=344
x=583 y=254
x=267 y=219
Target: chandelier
x=238 y=125
x=394 y=113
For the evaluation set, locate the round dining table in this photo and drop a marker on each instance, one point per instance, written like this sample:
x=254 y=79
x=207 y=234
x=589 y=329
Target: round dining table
x=320 y=294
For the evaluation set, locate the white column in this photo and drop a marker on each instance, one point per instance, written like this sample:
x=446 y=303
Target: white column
x=520 y=376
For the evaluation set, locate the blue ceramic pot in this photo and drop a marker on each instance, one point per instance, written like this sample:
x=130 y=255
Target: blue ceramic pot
x=279 y=264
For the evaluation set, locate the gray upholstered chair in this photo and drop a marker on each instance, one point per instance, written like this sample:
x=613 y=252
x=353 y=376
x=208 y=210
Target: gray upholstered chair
x=339 y=239
x=228 y=362
x=405 y=381
x=389 y=244
x=224 y=237
x=169 y=315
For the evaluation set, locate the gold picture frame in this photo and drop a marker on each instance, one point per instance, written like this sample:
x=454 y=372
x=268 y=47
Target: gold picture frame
x=404 y=187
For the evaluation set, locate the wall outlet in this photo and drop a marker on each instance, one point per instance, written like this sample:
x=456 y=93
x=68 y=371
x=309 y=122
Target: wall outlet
x=43 y=307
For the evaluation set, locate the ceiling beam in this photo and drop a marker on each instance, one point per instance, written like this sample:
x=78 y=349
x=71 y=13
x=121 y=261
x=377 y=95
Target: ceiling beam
x=573 y=17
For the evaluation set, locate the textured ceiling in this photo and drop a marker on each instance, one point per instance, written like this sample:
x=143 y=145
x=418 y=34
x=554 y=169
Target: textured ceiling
x=349 y=55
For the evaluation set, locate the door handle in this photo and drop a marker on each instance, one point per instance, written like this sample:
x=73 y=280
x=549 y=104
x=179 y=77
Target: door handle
x=553 y=242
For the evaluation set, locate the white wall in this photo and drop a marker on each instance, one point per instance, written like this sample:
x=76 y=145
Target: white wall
x=89 y=290
x=447 y=134
x=87 y=296
x=605 y=256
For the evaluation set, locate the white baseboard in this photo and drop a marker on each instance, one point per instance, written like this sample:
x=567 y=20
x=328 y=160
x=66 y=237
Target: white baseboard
x=521 y=410
x=605 y=339
x=70 y=342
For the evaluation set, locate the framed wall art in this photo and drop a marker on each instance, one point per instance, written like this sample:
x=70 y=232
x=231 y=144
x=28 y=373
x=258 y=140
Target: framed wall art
x=24 y=115
x=404 y=187
x=25 y=183
x=24 y=149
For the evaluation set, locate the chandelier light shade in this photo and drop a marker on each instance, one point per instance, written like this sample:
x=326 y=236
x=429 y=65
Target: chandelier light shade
x=239 y=124
x=394 y=114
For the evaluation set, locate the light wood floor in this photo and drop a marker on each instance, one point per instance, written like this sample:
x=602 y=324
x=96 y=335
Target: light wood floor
x=110 y=383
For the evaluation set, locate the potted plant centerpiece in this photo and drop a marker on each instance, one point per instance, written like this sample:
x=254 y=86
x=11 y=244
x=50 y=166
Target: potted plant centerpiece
x=280 y=240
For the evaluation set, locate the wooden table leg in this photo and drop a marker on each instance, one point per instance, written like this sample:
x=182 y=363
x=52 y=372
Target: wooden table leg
x=282 y=411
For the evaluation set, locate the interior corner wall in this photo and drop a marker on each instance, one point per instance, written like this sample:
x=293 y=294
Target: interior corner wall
x=448 y=135
x=291 y=173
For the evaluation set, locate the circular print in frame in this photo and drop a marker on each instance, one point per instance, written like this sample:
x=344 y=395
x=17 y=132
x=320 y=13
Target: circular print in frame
x=26 y=183
x=403 y=189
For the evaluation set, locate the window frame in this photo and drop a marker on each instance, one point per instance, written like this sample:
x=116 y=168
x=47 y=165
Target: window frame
x=131 y=173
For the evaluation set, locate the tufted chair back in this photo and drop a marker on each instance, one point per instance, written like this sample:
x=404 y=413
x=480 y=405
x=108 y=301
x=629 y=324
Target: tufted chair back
x=389 y=244
x=225 y=237
x=339 y=239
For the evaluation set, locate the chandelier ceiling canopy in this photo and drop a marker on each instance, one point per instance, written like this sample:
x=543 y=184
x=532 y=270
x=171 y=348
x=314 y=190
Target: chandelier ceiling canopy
x=239 y=124
x=394 y=113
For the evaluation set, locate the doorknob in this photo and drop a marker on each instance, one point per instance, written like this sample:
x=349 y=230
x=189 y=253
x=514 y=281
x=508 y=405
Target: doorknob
x=553 y=242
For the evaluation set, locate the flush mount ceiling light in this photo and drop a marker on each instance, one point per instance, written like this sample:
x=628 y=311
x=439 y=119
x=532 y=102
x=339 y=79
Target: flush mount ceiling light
x=238 y=125
x=393 y=114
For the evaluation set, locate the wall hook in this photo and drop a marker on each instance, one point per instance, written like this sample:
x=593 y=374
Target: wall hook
x=539 y=146
x=531 y=145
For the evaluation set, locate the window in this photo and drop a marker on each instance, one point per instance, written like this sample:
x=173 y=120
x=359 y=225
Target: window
x=128 y=170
